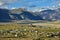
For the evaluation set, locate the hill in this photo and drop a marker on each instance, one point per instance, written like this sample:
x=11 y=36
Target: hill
x=23 y=14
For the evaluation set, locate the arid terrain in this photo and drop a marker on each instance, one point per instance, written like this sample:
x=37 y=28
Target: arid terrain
x=32 y=31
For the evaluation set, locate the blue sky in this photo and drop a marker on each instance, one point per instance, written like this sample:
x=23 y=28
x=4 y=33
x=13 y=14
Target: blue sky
x=29 y=4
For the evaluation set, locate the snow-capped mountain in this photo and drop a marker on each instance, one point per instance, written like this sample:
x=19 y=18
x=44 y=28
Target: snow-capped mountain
x=22 y=14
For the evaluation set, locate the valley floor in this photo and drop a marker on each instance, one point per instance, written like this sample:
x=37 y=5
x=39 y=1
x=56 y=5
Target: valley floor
x=31 y=31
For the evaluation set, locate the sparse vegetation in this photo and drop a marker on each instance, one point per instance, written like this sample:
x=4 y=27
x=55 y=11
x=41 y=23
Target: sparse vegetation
x=25 y=32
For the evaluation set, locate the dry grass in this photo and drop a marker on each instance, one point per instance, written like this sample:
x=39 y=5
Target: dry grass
x=50 y=27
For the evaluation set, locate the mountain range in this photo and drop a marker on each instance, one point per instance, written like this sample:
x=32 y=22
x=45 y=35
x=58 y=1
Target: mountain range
x=7 y=15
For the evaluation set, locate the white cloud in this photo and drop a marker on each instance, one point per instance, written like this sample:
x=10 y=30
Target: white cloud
x=1 y=3
x=4 y=7
x=7 y=2
x=4 y=3
x=13 y=8
x=59 y=4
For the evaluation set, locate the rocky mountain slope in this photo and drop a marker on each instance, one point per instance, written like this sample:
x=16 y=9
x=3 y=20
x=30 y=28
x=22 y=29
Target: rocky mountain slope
x=22 y=14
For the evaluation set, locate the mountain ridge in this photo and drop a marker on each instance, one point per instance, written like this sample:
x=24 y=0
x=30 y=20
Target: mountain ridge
x=23 y=14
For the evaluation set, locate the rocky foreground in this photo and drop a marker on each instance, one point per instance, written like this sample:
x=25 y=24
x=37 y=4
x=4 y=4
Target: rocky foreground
x=28 y=32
